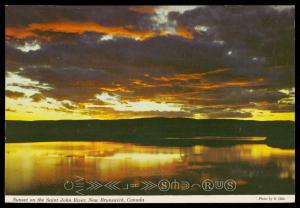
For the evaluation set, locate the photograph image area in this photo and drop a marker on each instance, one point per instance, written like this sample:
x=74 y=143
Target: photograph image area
x=149 y=100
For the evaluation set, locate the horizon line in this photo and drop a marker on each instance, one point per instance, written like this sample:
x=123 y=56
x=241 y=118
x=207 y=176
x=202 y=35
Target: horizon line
x=236 y=119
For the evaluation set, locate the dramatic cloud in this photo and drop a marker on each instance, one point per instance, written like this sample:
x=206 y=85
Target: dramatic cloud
x=143 y=61
x=14 y=95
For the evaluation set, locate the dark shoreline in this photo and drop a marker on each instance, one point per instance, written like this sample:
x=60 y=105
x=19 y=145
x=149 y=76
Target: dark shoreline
x=152 y=131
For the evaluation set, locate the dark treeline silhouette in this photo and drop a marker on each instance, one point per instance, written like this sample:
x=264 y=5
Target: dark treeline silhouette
x=150 y=130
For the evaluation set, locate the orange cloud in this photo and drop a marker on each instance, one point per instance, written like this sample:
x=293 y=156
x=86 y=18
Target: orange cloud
x=183 y=32
x=82 y=27
x=143 y=84
x=142 y=9
x=179 y=77
x=115 y=89
x=76 y=27
x=229 y=83
x=187 y=77
x=19 y=33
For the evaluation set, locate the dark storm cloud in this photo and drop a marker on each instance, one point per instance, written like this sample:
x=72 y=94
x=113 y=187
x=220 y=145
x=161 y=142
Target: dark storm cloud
x=169 y=52
x=250 y=49
x=258 y=31
x=239 y=96
x=17 y=16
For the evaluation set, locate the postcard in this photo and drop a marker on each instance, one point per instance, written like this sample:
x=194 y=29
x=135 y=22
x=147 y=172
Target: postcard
x=147 y=104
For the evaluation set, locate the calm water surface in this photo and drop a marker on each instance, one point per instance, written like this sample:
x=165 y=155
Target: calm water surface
x=66 y=167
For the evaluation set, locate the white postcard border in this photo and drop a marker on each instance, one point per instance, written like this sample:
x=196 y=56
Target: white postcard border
x=152 y=199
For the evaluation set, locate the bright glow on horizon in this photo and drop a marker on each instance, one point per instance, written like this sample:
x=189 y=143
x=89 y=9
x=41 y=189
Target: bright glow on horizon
x=16 y=83
x=115 y=103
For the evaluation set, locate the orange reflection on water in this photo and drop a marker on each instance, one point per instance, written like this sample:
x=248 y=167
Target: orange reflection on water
x=30 y=165
x=243 y=152
x=47 y=162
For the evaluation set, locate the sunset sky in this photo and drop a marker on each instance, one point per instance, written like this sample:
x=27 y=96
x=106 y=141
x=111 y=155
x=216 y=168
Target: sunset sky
x=115 y=62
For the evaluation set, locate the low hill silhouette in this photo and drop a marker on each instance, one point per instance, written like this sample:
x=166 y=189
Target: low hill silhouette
x=150 y=130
